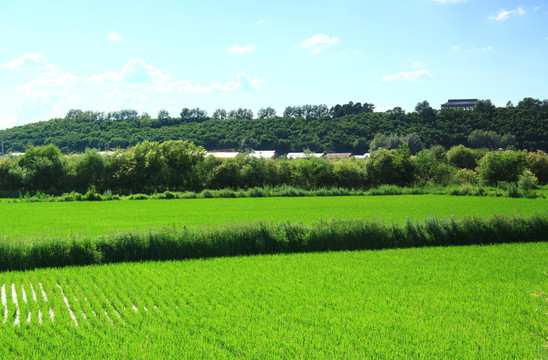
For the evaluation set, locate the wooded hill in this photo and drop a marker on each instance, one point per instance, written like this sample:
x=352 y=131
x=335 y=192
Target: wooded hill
x=346 y=128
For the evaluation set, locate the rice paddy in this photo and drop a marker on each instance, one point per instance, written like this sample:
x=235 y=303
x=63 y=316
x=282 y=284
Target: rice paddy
x=455 y=302
x=101 y=218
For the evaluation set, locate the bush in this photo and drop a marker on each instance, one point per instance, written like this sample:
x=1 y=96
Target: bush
x=537 y=162
x=461 y=157
x=501 y=166
x=465 y=176
x=392 y=167
x=513 y=190
x=527 y=181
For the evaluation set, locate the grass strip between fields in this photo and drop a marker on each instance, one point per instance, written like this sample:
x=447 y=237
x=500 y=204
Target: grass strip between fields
x=268 y=238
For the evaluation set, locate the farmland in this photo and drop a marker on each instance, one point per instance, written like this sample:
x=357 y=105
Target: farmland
x=433 y=302
x=456 y=302
x=99 y=218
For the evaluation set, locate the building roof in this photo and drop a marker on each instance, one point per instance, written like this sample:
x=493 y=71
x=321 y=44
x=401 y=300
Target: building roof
x=338 y=155
x=223 y=154
x=458 y=103
x=364 y=156
x=263 y=154
x=299 y=155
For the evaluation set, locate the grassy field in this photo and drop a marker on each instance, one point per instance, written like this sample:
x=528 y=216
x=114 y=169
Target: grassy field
x=431 y=303
x=98 y=218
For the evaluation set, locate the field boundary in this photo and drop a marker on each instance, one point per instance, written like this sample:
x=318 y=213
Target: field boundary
x=176 y=243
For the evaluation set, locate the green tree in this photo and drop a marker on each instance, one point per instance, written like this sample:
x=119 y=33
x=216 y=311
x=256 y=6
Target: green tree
x=461 y=157
x=44 y=168
x=89 y=170
x=266 y=113
x=501 y=166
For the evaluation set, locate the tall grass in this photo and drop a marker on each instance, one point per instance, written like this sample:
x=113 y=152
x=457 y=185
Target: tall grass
x=283 y=191
x=268 y=238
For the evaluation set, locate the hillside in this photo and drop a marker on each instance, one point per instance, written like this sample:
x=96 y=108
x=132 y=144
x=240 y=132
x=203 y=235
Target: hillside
x=79 y=130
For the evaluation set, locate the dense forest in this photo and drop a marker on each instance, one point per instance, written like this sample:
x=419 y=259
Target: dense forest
x=342 y=128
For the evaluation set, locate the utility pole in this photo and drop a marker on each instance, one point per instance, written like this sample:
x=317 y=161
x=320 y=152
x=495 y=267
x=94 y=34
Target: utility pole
x=2 y=142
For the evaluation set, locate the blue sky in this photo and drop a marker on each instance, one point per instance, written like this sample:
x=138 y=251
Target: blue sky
x=148 y=56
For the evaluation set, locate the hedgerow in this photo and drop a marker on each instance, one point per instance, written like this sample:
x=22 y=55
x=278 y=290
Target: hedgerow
x=268 y=238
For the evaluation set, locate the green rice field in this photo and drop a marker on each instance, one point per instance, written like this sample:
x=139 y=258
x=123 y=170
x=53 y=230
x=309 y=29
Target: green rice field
x=471 y=302
x=99 y=218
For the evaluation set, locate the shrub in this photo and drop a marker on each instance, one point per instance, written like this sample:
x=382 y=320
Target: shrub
x=537 y=162
x=527 y=181
x=461 y=157
x=513 y=190
x=501 y=166
x=465 y=176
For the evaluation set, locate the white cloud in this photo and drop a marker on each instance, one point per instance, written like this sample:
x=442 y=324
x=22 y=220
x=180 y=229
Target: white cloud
x=114 y=93
x=135 y=71
x=243 y=83
x=260 y=22
x=418 y=65
x=505 y=14
x=31 y=61
x=319 y=43
x=47 y=85
x=114 y=36
x=450 y=1
x=133 y=100
x=7 y=121
x=236 y=49
x=411 y=76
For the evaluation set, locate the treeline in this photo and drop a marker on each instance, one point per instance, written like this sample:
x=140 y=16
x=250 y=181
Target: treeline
x=182 y=166
x=341 y=128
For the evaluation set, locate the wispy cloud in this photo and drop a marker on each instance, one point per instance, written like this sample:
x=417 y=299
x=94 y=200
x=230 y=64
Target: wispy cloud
x=133 y=100
x=418 y=65
x=243 y=83
x=30 y=61
x=114 y=36
x=502 y=14
x=237 y=49
x=472 y=49
x=49 y=80
x=261 y=22
x=410 y=76
x=319 y=43
x=135 y=71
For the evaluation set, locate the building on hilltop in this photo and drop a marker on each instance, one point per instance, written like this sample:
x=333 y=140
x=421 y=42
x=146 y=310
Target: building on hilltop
x=459 y=104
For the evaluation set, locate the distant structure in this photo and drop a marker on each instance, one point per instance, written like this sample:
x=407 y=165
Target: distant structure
x=460 y=104
x=2 y=136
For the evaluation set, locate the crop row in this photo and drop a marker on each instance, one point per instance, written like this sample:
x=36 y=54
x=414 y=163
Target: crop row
x=445 y=302
x=269 y=238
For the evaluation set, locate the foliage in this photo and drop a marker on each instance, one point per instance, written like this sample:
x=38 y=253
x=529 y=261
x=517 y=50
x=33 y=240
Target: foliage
x=501 y=166
x=527 y=181
x=526 y=126
x=390 y=167
x=461 y=157
x=261 y=238
x=490 y=139
x=537 y=162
